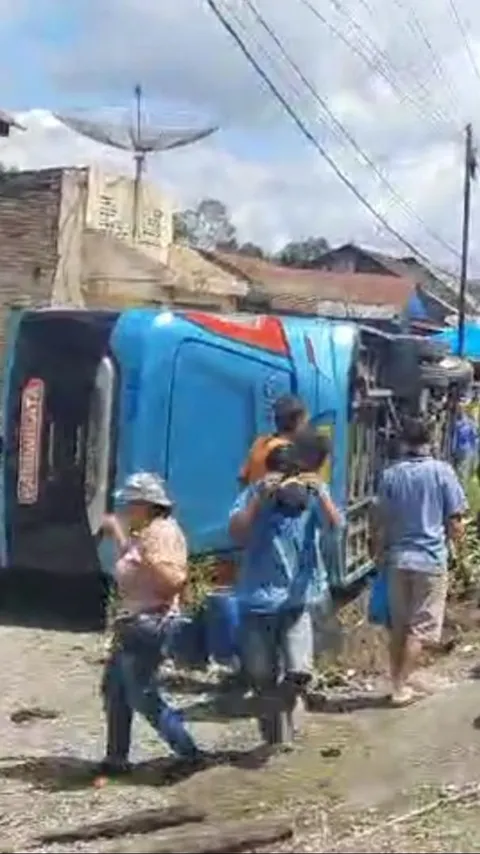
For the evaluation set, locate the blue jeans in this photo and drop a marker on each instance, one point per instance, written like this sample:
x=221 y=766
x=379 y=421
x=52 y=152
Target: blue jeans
x=131 y=684
x=277 y=657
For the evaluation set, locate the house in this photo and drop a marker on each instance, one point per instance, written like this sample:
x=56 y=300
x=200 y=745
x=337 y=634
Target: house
x=66 y=238
x=384 y=299
x=439 y=292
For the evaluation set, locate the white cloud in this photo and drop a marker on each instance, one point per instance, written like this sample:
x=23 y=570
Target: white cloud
x=276 y=186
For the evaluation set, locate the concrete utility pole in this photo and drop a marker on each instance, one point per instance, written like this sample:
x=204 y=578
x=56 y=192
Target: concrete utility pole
x=470 y=175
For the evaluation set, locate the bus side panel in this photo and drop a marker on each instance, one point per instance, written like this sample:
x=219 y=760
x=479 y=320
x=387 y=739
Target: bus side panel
x=191 y=404
x=13 y=323
x=221 y=401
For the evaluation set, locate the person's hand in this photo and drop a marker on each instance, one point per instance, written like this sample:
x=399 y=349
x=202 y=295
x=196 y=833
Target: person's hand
x=268 y=485
x=109 y=525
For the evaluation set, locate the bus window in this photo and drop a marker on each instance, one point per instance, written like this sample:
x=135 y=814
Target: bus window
x=97 y=451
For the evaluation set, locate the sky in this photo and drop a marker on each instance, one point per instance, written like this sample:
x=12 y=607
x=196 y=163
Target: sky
x=386 y=88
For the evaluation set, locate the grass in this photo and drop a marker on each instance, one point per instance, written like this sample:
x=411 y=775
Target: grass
x=473 y=495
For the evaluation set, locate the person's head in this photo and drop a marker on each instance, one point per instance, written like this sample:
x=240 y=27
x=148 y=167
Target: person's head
x=312 y=448
x=416 y=433
x=281 y=459
x=144 y=498
x=290 y=414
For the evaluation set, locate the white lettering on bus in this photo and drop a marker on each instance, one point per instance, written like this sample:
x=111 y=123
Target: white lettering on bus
x=31 y=421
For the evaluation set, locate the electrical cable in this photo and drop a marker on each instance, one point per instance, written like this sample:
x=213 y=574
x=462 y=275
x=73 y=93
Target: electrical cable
x=308 y=135
x=344 y=131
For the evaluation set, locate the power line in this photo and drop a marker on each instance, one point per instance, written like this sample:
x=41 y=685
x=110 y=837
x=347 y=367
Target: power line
x=437 y=115
x=463 y=31
x=343 y=130
x=416 y=26
x=308 y=134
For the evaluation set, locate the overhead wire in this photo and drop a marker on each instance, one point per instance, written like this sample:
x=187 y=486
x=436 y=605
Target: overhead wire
x=464 y=34
x=416 y=26
x=308 y=135
x=344 y=130
x=383 y=65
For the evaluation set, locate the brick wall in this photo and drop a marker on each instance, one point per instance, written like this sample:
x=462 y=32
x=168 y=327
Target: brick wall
x=29 y=215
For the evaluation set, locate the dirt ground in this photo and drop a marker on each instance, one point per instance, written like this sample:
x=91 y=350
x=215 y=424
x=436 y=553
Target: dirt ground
x=358 y=764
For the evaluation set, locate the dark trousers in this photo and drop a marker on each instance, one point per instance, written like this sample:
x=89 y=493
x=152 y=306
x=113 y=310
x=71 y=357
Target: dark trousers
x=277 y=657
x=131 y=684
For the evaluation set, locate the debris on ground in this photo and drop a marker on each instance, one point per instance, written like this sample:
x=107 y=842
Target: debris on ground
x=33 y=713
x=143 y=821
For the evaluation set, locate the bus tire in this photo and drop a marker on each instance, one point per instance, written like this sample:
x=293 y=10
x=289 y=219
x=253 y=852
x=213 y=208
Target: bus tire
x=430 y=350
x=442 y=374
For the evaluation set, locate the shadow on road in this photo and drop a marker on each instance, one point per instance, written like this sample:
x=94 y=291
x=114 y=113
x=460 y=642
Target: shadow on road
x=56 y=773
x=39 y=600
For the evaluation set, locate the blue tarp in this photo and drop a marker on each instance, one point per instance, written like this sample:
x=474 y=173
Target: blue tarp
x=472 y=340
x=416 y=309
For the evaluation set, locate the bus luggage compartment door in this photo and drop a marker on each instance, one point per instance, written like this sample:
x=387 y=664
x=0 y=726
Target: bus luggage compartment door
x=58 y=441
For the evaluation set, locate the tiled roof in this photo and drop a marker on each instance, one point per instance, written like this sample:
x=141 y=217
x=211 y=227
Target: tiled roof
x=443 y=287
x=292 y=287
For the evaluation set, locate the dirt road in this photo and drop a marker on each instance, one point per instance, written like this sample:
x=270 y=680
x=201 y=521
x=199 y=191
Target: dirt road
x=351 y=769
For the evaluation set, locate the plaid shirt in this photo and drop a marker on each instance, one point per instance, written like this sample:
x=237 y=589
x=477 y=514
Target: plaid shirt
x=153 y=568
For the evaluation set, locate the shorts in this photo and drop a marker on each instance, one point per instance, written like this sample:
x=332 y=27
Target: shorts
x=417 y=603
x=276 y=645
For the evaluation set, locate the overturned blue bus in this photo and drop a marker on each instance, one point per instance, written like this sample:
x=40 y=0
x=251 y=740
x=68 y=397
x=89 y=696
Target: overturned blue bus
x=90 y=396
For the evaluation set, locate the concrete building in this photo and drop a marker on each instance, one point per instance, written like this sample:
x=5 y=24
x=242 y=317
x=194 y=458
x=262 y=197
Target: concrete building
x=65 y=238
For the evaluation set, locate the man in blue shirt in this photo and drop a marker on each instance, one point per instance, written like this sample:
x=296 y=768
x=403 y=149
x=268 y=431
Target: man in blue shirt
x=421 y=504
x=464 y=443
x=280 y=524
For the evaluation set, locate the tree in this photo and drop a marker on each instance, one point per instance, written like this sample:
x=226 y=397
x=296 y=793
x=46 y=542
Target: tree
x=208 y=226
x=251 y=249
x=302 y=253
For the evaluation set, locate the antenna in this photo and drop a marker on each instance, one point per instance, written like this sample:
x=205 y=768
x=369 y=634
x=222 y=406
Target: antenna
x=136 y=137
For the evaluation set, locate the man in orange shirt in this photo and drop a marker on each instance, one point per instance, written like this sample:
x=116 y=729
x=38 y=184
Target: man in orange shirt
x=290 y=416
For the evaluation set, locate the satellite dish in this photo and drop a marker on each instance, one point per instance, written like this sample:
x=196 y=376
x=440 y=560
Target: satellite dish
x=7 y=122
x=136 y=137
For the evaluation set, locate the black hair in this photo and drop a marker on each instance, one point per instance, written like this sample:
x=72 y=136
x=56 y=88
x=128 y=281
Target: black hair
x=312 y=448
x=288 y=412
x=416 y=432
x=158 y=511
x=282 y=459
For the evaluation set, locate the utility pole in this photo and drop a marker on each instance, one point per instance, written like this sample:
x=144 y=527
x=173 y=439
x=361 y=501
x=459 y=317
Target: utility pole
x=470 y=175
x=139 y=163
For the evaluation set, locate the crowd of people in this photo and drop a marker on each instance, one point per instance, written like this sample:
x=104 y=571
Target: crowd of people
x=280 y=521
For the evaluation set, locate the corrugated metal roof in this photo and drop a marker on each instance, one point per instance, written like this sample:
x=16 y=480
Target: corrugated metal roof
x=441 y=286
x=310 y=305
x=293 y=286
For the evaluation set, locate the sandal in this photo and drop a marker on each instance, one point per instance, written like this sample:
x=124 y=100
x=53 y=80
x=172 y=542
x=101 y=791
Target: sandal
x=404 y=697
x=110 y=769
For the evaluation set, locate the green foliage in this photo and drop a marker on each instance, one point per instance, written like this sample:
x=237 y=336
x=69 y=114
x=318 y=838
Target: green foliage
x=465 y=563
x=112 y=606
x=473 y=495
x=201 y=579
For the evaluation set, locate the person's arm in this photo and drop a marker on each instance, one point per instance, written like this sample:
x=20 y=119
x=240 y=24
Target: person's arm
x=112 y=527
x=330 y=509
x=455 y=504
x=243 y=514
x=244 y=476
